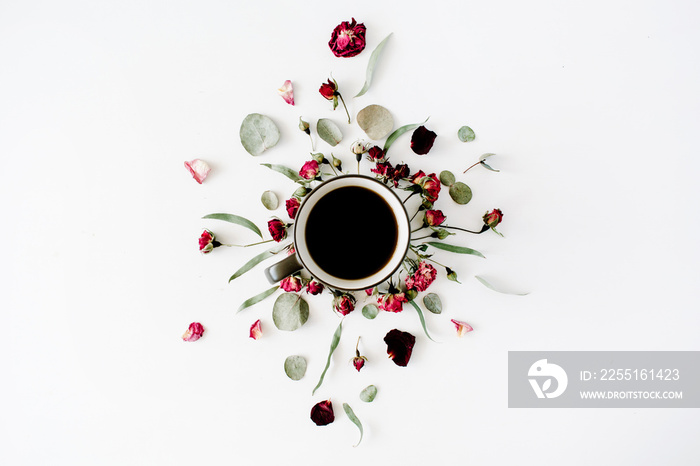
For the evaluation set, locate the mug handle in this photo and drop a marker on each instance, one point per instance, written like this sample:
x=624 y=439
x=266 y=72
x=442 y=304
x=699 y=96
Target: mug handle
x=283 y=268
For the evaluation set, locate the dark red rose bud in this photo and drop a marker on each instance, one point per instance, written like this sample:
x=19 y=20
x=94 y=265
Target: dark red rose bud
x=399 y=346
x=207 y=242
x=422 y=140
x=401 y=171
x=328 y=90
x=493 y=218
x=434 y=218
x=359 y=362
x=348 y=39
x=314 y=288
x=431 y=188
x=278 y=229
x=375 y=154
x=322 y=413
x=292 y=205
x=344 y=303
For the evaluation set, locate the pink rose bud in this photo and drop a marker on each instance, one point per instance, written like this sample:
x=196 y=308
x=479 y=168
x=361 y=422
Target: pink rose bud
x=344 y=304
x=369 y=291
x=314 y=288
x=278 y=229
x=256 y=330
x=348 y=39
x=199 y=169
x=322 y=413
x=434 y=218
x=207 y=242
x=194 y=332
x=493 y=218
x=291 y=284
x=287 y=92
x=310 y=170
x=462 y=327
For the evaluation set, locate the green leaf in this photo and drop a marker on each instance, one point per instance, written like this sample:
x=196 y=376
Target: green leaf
x=433 y=303
x=258 y=133
x=368 y=394
x=453 y=248
x=329 y=131
x=295 y=367
x=269 y=200
x=255 y=261
x=466 y=134
x=376 y=121
x=370 y=311
x=257 y=298
x=485 y=156
x=244 y=222
x=447 y=178
x=351 y=415
x=422 y=319
x=290 y=312
x=395 y=135
x=288 y=172
x=334 y=345
x=460 y=193
x=488 y=167
x=490 y=286
x=371 y=64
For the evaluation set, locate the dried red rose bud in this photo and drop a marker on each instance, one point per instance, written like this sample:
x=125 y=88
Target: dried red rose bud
x=431 y=188
x=344 y=303
x=493 y=218
x=292 y=284
x=277 y=228
x=314 y=288
x=329 y=91
x=207 y=242
x=194 y=332
x=392 y=302
x=309 y=170
x=399 y=346
x=287 y=92
x=322 y=413
x=348 y=39
x=358 y=362
x=369 y=291
x=422 y=278
x=422 y=140
x=256 y=330
x=401 y=171
x=199 y=169
x=375 y=154
x=292 y=205
x=462 y=327
x=434 y=218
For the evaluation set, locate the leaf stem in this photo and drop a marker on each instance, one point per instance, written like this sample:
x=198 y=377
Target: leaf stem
x=468 y=231
x=414 y=215
x=422 y=237
x=246 y=245
x=344 y=106
x=477 y=163
x=409 y=197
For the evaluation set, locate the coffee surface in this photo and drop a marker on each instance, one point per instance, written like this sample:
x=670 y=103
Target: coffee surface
x=351 y=232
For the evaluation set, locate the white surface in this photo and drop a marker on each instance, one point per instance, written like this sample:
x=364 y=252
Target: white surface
x=592 y=108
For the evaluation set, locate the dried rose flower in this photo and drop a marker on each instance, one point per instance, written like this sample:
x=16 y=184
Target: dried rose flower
x=399 y=346
x=199 y=169
x=256 y=330
x=429 y=183
x=401 y=171
x=194 y=332
x=309 y=170
x=329 y=91
x=423 y=277
x=292 y=284
x=314 y=287
x=287 y=92
x=358 y=147
x=422 y=140
x=369 y=291
x=493 y=218
x=462 y=327
x=384 y=171
x=207 y=242
x=348 y=39
x=344 y=303
x=376 y=154
x=392 y=302
x=358 y=361
x=434 y=218
x=322 y=413
x=292 y=205
x=277 y=228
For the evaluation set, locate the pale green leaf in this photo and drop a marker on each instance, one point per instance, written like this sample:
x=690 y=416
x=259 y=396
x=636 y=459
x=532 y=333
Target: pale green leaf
x=290 y=312
x=460 y=193
x=258 y=133
x=376 y=121
x=422 y=318
x=370 y=311
x=453 y=248
x=288 y=172
x=269 y=200
x=466 y=134
x=295 y=367
x=351 y=415
x=372 y=64
x=368 y=394
x=257 y=298
x=447 y=178
x=334 y=345
x=329 y=131
x=244 y=222
x=255 y=261
x=433 y=303
x=395 y=135
x=491 y=287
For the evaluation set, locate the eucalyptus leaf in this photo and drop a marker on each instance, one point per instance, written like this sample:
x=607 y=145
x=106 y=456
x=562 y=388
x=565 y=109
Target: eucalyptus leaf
x=485 y=156
x=258 y=133
x=334 y=344
x=447 y=178
x=490 y=286
x=244 y=222
x=351 y=415
x=488 y=167
x=372 y=64
x=295 y=367
x=257 y=298
x=466 y=134
x=422 y=318
x=269 y=200
x=395 y=135
x=460 y=193
x=290 y=312
x=329 y=131
x=288 y=172
x=376 y=121
x=255 y=261
x=370 y=311
x=453 y=248
x=368 y=394
x=433 y=303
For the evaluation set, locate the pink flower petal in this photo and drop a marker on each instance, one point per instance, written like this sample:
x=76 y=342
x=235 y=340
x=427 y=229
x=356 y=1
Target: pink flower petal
x=287 y=92
x=462 y=327
x=194 y=332
x=255 y=330
x=199 y=169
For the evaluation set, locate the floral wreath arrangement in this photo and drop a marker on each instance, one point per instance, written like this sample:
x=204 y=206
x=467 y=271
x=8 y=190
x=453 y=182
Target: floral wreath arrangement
x=419 y=270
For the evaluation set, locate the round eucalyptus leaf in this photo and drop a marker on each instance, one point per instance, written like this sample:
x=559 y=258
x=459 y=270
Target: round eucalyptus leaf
x=466 y=134
x=370 y=311
x=447 y=178
x=295 y=367
x=269 y=200
x=375 y=121
x=368 y=393
x=460 y=193
x=432 y=303
x=258 y=133
x=329 y=131
x=290 y=311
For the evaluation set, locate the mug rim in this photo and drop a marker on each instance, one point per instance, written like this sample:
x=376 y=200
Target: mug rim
x=397 y=216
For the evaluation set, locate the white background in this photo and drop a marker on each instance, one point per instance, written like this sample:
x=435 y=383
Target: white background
x=591 y=107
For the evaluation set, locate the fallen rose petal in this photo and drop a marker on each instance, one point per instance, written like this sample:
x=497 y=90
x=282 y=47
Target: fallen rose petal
x=399 y=346
x=256 y=330
x=194 y=332
x=422 y=140
x=199 y=169
x=462 y=327
x=322 y=413
x=287 y=92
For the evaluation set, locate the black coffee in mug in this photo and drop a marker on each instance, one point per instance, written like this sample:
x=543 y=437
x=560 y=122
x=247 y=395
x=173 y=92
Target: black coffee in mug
x=351 y=232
